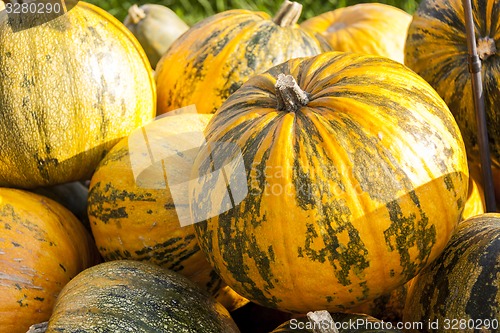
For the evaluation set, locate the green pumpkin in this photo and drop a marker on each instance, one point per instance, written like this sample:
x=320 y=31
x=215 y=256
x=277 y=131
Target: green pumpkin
x=132 y=296
x=156 y=27
x=460 y=291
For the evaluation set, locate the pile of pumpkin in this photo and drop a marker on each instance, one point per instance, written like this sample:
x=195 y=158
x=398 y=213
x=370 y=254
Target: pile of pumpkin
x=157 y=177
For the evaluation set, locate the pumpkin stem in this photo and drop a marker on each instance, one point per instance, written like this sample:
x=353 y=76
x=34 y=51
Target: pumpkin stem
x=322 y=322
x=288 y=14
x=38 y=328
x=486 y=47
x=136 y=14
x=289 y=95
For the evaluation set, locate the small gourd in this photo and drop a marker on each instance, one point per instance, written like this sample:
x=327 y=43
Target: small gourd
x=155 y=27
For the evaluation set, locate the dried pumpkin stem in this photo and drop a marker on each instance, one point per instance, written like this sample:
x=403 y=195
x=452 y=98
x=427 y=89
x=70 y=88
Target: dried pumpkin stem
x=136 y=14
x=38 y=328
x=288 y=14
x=289 y=95
x=486 y=47
x=322 y=322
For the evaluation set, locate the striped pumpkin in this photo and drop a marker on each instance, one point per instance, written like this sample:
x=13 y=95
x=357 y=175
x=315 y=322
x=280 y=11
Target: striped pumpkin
x=436 y=48
x=42 y=247
x=356 y=176
x=460 y=290
x=69 y=90
x=214 y=57
x=134 y=216
x=372 y=28
x=139 y=297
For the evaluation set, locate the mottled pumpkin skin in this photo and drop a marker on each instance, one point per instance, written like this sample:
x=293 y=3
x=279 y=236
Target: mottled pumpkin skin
x=344 y=322
x=42 y=247
x=462 y=283
x=130 y=220
x=215 y=56
x=436 y=48
x=348 y=198
x=132 y=296
x=69 y=89
x=372 y=28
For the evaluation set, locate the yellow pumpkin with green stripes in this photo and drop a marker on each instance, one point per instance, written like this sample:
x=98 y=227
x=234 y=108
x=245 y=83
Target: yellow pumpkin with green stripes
x=355 y=179
x=436 y=48
x=69 y=90
x=133 y=213
x=215 y=56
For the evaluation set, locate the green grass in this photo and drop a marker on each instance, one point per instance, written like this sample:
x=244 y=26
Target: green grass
x=192 y=11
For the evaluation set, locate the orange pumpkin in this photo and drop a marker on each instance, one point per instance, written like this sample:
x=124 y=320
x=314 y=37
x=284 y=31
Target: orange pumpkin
x=42 y=247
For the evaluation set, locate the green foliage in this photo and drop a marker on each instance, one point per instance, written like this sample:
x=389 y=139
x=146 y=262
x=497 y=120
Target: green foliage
x=192 y=11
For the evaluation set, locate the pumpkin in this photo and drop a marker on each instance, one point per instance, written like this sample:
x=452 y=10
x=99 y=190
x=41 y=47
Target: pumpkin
x=155 y=27
x=342 y=322
x=42 y=247
x=133 y=213
x=215 y=56
x=460 y=291
x=436 y=48
x=69 y=90
x=356 y=176
x=132 y=296
x=372 y=28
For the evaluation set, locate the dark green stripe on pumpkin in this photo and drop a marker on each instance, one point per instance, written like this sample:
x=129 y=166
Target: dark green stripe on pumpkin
x=344 y=258
x=101 y=194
